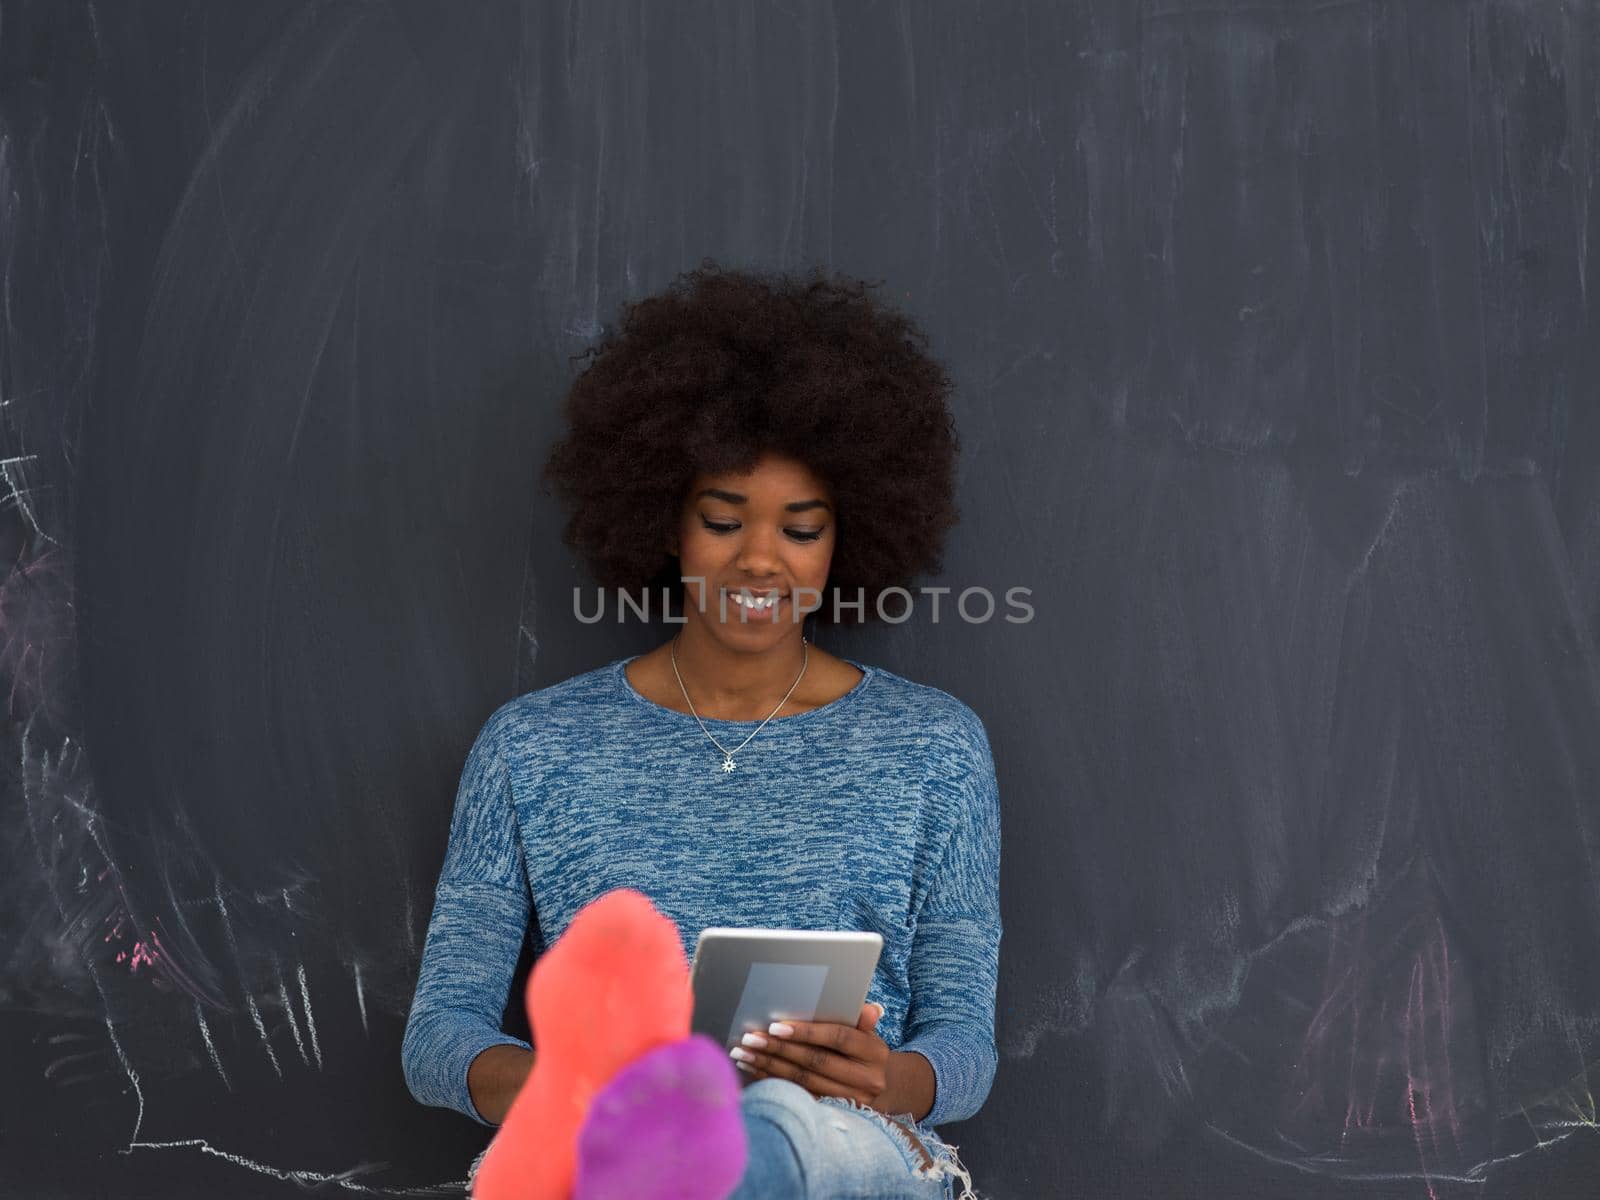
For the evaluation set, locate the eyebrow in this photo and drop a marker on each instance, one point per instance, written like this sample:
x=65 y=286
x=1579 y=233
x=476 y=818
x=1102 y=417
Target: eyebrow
x=736 y=498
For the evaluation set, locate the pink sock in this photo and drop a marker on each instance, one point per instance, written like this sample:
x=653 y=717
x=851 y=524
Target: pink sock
x=614 y=986
x=668 y=1127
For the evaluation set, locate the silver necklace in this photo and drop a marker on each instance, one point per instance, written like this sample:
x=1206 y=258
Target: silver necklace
x=727 y=755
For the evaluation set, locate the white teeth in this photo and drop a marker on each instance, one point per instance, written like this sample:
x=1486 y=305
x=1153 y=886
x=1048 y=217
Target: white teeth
x=755 y=603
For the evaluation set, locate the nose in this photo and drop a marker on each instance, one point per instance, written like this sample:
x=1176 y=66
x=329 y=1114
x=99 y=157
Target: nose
x=758 y=557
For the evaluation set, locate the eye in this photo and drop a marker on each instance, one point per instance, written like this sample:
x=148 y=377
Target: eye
x=799 y=535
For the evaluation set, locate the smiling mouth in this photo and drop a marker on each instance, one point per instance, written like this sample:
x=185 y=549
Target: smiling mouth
x=756 y=603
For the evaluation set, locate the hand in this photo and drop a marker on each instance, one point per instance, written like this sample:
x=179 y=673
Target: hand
x=826 y=1058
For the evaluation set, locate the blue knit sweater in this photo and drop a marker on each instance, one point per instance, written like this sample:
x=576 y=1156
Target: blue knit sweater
x=878 y=811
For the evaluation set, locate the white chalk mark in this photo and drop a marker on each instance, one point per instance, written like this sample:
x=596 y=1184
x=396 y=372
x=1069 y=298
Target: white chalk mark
x=19 y=494
x=294 y=1026
x=70 y=1058
x=255 y=1016
x=127 y=1067
x=212 y=158
x=74 y=1080
x=1383 y=531
x=205 y=1032
x=361 y=999
x=342 y=1178
x=249 y=999
x=61 y=909
x=311 y=1027
x=1478 y=1173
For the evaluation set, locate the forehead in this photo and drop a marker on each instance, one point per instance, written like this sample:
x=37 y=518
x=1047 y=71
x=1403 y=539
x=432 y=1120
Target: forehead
x=771 y=475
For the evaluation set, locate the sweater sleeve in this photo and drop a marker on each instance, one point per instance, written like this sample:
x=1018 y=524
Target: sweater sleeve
x=955 y=950
x=480 y=916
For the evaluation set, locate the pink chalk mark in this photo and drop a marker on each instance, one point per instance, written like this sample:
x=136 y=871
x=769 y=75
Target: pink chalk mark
x=1411 y=1101
x=1446 y=1001
x=1413 y=1014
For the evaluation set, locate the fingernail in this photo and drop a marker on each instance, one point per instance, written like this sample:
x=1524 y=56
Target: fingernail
x=779 y=1029
x=745 y=1067
x=756 y=1040
x=742 y=1055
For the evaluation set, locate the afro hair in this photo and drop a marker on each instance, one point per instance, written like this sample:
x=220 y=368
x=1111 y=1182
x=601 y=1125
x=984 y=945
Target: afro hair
x=724 y=366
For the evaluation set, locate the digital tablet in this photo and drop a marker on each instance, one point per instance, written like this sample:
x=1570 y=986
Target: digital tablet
x=744 y=979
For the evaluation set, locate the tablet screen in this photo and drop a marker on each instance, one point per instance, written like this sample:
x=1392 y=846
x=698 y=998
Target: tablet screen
x=790 y=988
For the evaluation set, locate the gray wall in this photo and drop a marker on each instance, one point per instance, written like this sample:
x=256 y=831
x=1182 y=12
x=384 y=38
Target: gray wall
x=1277 y=383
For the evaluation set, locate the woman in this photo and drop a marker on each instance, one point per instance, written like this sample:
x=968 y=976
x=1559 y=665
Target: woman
x=784 y=450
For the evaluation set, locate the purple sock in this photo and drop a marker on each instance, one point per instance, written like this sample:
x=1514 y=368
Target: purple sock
x=666 y=1127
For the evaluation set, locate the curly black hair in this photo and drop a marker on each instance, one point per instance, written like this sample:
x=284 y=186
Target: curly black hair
x=723 y=366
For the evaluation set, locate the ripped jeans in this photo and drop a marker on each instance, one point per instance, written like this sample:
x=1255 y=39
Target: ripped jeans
x=804 y=1147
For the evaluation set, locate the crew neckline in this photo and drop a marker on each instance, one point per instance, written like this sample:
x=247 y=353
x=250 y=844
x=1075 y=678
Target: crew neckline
x=619 y=672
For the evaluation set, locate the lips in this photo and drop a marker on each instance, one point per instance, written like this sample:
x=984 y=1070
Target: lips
x=759 y=600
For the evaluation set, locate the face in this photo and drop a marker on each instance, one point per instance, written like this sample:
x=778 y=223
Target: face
x=769 y=532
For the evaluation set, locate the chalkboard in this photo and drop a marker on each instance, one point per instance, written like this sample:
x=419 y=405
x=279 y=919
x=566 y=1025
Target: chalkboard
x=1276 y=368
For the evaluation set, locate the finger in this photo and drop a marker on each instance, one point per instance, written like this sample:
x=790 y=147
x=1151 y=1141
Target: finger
x=830 y=1035
x=773 y=1067
x=814 y=1068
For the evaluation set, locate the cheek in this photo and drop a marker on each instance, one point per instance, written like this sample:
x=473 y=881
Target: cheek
x=823 y=557
x=695 y=543
x=702 y=556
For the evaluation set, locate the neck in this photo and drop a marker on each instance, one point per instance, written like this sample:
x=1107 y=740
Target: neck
x=728 y=680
